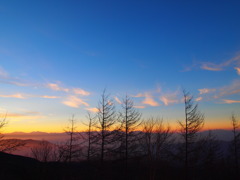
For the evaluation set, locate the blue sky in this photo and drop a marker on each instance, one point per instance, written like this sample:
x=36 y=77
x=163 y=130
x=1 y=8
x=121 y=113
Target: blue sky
x=57 y=57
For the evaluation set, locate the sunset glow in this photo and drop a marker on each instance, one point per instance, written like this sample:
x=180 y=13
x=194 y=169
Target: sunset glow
x=57 y=57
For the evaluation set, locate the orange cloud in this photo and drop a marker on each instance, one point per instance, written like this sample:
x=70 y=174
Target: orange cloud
x=229 y=101
x=139 y=107
x=56 y=87
x=81 y=92
x=49 y=97
x=117 y=100
x=92 y=109
x=199 y=99
x=19 y=96
x=238 y=70
x=73 y=101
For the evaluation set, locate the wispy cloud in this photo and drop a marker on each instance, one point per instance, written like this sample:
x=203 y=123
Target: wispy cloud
x=220 y=92
x=219 y=67
x=139 y=107
x=229 y=101
x=211 y=67
x=206 y=91
x=117 y=100
x=25 y=96
x=56 y=87
x=74 y=101
x=48 y=97
x=19 y=96
x=238 y=70
x=3 y=73
x=92 y=109
x=170 y=98
x=81 y=92
x=149 y=100
x=198 y=99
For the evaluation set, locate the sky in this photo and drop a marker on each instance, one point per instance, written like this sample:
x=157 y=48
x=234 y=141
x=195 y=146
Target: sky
x=57 y=57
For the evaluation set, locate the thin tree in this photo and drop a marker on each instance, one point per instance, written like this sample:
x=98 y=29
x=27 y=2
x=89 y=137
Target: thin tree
x=194 y=121
x=106 y=125
x=90 y=136
x=236 y=142
x=130 y=120
x=71 y=146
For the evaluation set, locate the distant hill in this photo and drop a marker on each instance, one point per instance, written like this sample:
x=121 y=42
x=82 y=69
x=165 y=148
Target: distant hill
x=221 y=134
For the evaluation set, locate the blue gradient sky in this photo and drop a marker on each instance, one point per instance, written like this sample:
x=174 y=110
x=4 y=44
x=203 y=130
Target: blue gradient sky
x=57 y=57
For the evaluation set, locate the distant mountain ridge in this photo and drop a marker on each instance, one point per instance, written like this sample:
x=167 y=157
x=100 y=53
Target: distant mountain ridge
x=221 y=134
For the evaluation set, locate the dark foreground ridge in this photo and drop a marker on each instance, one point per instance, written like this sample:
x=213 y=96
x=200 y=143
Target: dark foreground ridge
x=23 y=168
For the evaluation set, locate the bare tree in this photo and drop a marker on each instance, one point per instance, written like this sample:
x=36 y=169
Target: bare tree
x=155 y=142
x=71 y=148
x=89 y=136
x=236 y=142
x=43 y=151
x=106 y=125
x=194 y=121
x=130 y=120
x=8 y=145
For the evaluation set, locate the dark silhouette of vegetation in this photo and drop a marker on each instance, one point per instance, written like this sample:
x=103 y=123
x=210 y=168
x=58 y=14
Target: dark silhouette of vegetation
x=90 y=137
x=120 y=145
x=106 y=126
x=194 y=121
x=236 y=143
x=7 y=145
x=130 y=120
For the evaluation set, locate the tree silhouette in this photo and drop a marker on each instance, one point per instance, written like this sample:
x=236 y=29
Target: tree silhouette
x=155 y=141
x=43 y=151
x=89 y=136
x=71 y=148
x=194 y=121
x=7 y=145
x=130 y=120
x=236 y=142
x=106 y=125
